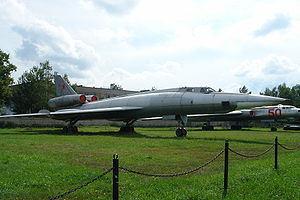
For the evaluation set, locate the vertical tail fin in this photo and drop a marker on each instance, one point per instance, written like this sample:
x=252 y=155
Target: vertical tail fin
x=62 y=87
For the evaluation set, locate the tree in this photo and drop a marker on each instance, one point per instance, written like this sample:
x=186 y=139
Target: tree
x=6 y=68
x=269 y=92
x=114 y=86
x=35 y=88
x=296 y=95
x=244 y=90
x=284 y=91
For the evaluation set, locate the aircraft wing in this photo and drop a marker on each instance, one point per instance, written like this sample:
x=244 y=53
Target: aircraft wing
x=200 y=117
x=218 y=116
x=97 y=113
x=34 y=115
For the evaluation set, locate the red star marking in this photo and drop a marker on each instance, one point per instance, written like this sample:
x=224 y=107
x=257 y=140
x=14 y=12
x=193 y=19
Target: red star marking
x=63 y=86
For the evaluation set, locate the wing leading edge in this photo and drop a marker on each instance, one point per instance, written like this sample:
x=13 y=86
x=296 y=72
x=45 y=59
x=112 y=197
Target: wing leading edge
x=98 y=113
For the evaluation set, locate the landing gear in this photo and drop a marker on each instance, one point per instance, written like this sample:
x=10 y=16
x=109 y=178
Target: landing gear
x=181 y=132
x=128 y=128
x=182 y=121
x=236 y=127
x=207 y=128
x=71 y=128
x=273 y=129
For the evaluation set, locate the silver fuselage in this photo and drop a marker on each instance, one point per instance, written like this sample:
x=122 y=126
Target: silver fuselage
x=171 y=102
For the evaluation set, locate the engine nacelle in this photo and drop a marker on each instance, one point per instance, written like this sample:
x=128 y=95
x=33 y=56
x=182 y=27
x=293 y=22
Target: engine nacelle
x=67 y=101
x=90 y=98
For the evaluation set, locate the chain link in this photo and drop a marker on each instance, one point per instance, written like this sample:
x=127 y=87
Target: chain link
x=173 y=175
x=252 y=156
x=287 y=148
x=81 y=186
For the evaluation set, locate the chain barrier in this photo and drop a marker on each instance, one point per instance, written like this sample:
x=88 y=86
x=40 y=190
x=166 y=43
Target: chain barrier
x=287 y=148
x=252 y=156
x=81 y=186
x=174 y=175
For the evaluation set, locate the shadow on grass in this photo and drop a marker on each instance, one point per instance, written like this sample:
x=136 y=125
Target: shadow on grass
x=58 y=132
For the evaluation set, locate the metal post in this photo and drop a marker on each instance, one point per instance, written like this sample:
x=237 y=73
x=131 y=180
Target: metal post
x=115 y=177
x=226 y=165
x=276 y=153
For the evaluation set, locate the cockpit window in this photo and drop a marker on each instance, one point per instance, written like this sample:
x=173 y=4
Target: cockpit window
x=210 y=90
x=204 y=90
x=190 y=90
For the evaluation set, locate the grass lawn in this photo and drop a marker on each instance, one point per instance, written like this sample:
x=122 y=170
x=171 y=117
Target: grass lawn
x=40 y=163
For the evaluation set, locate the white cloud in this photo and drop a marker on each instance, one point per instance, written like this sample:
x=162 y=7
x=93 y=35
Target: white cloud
x=169 y=66
x=44 y=41
x=111 y=6
x=267 y=72
x=279 y=22
x=193 y=42
x=268 y=66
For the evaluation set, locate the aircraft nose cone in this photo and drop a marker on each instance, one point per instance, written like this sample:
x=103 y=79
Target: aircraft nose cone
x=274 y=99
x=260 y=100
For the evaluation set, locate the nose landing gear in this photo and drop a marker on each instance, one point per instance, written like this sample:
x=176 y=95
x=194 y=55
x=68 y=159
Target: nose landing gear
x=128 y=128
x=181 y=132
x=182 y=121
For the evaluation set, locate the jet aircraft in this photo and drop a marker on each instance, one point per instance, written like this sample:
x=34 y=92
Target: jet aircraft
x=175 y=103
x=270 y=114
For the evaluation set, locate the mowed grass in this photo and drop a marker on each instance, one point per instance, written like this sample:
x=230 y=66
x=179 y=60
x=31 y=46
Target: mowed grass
x=40 y=163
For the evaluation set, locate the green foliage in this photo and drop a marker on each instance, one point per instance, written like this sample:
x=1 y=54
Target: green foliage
x=244 y=90
x=35 y=87
x=114 y=86
x=6 y=68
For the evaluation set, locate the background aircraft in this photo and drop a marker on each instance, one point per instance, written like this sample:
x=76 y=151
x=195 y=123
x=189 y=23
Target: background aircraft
x=267 y=114
x=175 y=103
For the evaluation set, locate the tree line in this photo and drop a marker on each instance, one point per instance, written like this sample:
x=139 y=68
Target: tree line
x=32 y=90
x=36 y=86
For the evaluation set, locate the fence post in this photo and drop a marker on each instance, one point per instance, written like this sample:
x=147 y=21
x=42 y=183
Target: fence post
x=226 y=165
x=115 y=177
x=276 y=153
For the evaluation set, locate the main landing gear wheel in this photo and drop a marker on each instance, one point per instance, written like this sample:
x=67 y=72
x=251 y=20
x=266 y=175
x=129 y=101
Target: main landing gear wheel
x=180 y=132
x=236 y=127
x=207 y=128
x=273 y=129
x=70 y=129
x=127 y=129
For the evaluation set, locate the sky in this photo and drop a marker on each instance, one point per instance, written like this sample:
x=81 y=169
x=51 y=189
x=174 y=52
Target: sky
x=157 y=43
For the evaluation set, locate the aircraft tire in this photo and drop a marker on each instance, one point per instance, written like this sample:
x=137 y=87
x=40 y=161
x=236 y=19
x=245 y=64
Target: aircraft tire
x=122 y=129
x=131 y=129
x=236 y=127
x=184 y=131
x=126 y=129
x=65 y=129
x=74 y=130
x=179 y=132
x=273 y=129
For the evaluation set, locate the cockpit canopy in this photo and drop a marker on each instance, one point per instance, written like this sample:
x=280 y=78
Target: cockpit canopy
x=204 y=90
